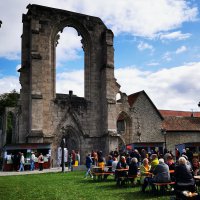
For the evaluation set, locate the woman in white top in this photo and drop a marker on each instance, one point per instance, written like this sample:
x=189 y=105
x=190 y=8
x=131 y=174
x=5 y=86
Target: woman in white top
x=114 y=164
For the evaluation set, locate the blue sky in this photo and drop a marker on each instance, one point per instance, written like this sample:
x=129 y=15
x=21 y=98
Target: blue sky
x=157 y=47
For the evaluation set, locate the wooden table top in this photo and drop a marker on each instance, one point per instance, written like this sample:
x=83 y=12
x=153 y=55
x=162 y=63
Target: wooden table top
x=121 y=169
x=197 y=177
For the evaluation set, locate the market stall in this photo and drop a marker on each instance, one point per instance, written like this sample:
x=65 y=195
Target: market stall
x=11 y=155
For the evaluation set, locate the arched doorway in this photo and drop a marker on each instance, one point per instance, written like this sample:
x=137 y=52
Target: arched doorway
x=72 y=139
x=124 y=127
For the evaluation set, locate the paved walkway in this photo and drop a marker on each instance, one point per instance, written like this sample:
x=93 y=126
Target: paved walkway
x=58 y=169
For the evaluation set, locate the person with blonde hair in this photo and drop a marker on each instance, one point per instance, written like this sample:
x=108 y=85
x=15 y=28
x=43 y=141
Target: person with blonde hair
x=144 y=173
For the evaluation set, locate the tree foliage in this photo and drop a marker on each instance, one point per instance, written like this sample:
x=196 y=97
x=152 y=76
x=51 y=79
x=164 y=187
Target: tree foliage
x=8 y=100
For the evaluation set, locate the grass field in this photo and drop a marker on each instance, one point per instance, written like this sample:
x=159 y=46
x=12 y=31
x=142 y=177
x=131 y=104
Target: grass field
x=67 y=186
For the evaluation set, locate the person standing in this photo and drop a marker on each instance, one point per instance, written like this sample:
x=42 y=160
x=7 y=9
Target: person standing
x=21 y=168
x=32 y=161
x=73 y=157
x=88 y=164
x=70 y=161
x=40 y=161
x=78 y=157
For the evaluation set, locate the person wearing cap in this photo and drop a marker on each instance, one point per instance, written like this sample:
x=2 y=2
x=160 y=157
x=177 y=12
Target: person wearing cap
x=32 y=161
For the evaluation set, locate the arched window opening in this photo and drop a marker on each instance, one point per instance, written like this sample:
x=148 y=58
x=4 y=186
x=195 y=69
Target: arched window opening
x=69 y=63
x=9 y=128
x=121 y=125
x=123 y=122
x=118 y=97
x=124 y=126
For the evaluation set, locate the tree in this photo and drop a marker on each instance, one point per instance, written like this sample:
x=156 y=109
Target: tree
x=8 y=100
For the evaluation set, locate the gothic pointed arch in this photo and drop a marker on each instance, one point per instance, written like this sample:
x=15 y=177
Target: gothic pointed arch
x=87 y=45
x=72 y=138
x=124 y=126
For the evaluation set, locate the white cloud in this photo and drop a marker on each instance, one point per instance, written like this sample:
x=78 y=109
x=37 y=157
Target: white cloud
x=177 y=35
x=181 y=49
x=69 y=46
x=72 y=80
x=7 y=84
x=140 y=18
x=143 y=46
x=174 y=88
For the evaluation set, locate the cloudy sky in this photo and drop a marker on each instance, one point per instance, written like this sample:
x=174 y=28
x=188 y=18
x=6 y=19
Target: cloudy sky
x=157 y=47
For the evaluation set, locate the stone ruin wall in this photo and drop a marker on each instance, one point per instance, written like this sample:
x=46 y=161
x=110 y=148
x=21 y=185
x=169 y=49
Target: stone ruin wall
x=43 y=118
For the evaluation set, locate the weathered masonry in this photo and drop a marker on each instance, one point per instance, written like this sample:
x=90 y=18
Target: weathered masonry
x=86 y=123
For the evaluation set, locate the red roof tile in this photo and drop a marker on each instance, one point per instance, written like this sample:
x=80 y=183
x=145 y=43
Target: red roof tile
x=176 y=113
x=172 y=123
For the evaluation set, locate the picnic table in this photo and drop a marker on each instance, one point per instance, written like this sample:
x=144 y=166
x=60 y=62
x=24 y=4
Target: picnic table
x=101 y=173
x=122 y=176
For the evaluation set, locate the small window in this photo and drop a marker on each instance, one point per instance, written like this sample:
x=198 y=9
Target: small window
x=120 y=126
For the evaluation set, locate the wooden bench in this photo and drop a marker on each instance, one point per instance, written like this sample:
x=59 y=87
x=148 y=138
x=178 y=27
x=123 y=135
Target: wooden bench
x=101 y=175
x=131 y=179
x=122 y=180
x=162 y=186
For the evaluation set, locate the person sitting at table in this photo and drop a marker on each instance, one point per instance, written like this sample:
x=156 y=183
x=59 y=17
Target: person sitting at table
x=160 y=175
x=119 y=172
x=122 y=163
x=144 y=172
x=184 y=178
x=101 y=160
x=133 y=170
x=133 y=167
x=154 y=161
x=170 y=162
x=128 y=159
x=161 y=172
x=108 y=167
x=114 y=164
x=196 y=166
x=109 y=163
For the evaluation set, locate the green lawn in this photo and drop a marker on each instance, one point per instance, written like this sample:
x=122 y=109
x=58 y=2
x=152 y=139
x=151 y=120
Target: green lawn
x=66 y=186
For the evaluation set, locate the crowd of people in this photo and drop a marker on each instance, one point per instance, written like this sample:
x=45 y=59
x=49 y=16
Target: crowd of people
x=154 y=167
x=18 y=161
